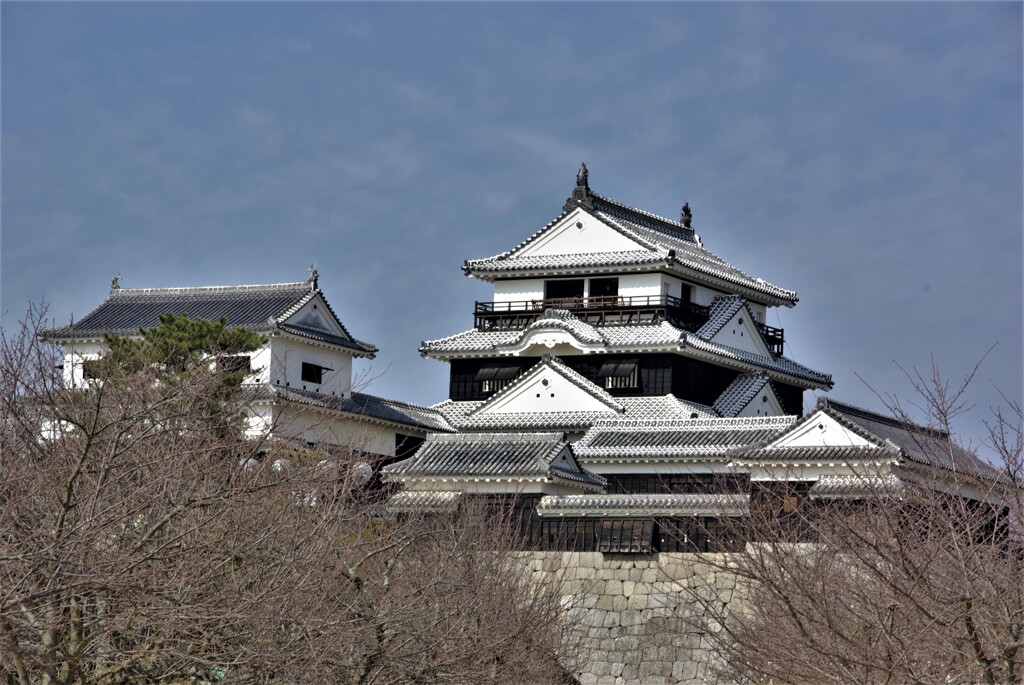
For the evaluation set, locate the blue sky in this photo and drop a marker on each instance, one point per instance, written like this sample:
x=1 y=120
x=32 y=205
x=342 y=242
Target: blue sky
x=867 y=155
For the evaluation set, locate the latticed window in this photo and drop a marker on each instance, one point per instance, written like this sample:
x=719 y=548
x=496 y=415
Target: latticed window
x=494 y=376
x=619 y=374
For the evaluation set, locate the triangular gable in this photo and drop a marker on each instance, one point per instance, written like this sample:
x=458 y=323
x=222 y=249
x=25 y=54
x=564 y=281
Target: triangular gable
x=764 y=403
x=316 y=315
x=822 y=430
x=749 y=395
x=733 y=325
x=549 y=386
x=578 y=232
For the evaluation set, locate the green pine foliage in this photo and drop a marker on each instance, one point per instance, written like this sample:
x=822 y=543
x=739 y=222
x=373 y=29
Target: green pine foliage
x=178 y=346
x=182 y=351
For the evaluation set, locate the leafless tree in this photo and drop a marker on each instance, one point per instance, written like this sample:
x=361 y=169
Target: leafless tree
x=141 y=542
x=926 y=587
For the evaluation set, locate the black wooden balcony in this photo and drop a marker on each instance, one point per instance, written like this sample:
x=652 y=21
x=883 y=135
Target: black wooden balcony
x=597 y=311
x=773 y=337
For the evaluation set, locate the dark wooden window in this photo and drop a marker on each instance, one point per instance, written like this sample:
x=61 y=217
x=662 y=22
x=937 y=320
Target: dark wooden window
x=619 y=374
x=494 y=376
x=791 y=398
x=697 y=534
x=564 y=289
x=685 y=290
x=631 y=536
x=679 y=483
x=477 y=379
x=604 y=288
x=313 y=373
x=699 y=381
x=655 y=374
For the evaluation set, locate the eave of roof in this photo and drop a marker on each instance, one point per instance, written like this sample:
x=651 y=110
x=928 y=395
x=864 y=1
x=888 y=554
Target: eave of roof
x=662 y=337
x=702 y=440
x=645 y=504
x=491 y=457
x=370 y=408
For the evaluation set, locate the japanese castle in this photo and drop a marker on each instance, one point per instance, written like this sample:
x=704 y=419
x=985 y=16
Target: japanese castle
x=623 y=388
x=621 y=391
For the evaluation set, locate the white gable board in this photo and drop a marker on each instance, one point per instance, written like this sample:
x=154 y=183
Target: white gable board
x=316 y=315
x=545 y=391
x=577 y=233
x=740 y=333
x=821 y=430
x=764 y=403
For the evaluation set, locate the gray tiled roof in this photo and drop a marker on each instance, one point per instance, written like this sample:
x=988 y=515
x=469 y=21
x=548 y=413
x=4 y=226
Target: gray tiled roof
x=324 y=336
x=700 y=439
x=722 y=309
x=890 y=440
x=462 y=415
x=258 y=307
x=819 y=454
x=424 y=501
x=697 y=504
x=782 y=365
x=887 y=485
x=497 y=456
x=370 y=407
x=507 y=263
x=740 y=393
x=665 y=242
x=660 y=337
x=609 y=337
x=917 y=443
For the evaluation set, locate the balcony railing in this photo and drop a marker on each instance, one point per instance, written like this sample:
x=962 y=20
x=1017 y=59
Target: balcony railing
x=610 y=311
x=773 y=337
x=598 y=311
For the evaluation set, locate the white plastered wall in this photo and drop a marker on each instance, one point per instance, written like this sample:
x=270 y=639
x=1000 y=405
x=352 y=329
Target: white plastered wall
x=308 y=425
x=519 y=289
x=703 y=295
x=629 y=285
x=74 y=355
x=287 y=356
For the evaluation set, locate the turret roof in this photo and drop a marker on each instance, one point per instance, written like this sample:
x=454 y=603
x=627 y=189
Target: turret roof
x=261 y=308
x=661 y=243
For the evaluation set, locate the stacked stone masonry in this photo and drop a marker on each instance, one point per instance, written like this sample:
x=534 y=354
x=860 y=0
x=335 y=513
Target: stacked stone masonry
x=642 y=619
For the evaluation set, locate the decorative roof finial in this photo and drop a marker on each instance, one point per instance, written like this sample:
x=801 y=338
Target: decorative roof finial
x=583 y=177
x=581 y=193
x=314 y=275
x=115 y=282
x=686 y=217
